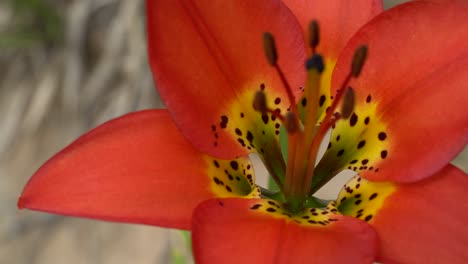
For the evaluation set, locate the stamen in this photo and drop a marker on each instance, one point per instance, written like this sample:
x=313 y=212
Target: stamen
x=348 y=103
x=292 y=126
x=314 y=35
x=291 y=122
x=270 y=48
x=358 y=60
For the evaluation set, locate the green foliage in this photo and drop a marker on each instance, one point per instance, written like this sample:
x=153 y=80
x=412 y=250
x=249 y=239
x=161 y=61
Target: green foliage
x=34 y=22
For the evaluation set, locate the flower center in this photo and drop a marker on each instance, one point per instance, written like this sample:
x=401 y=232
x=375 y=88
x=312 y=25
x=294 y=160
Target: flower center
x=305 y=128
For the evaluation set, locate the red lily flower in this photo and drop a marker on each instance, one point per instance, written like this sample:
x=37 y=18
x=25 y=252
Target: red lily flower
x=184 y=168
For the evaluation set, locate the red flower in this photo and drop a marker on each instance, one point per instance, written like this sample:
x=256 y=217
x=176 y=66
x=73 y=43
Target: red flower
x=400 y=124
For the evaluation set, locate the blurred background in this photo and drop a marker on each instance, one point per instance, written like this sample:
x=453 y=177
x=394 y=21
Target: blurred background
x=65 y=67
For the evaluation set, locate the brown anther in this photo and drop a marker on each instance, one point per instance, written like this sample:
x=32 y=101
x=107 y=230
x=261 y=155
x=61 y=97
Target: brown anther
x=314 y=34
x=270 y=48
x=359 y=59
x=291 y=122
x=259 y=102
x=348 y=103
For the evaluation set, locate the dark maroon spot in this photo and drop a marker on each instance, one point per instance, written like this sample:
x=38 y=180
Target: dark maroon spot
x=277 y=100
x=249 y=176
x=274 y=204
x=353 y=120
x=343 y=199
x=255 y=206
x=234 y=165
x=250 y=136
x=368 y=218
x=238 y=132
x=221 y=203
x=241 y=141
x=382 y=136
x=304 y=102
x=361 y=144
x=373 y=196
x=224 y=121
x=322 y=100
x=230 y=177
x=312 y=221
x=242 y=115
x=357 y=195
x=360 y=211
x=215 y=162
x=216 y=180
x=277 y=125
x=262 y=86
x=213 y=127
x=357 y=202
x=340 y=153
x=353 y=162
x=248 y=167
x=305 y=217
x=369 y=98
x=228 y=188
x=329 y=145
x=216 y=135
x=265 y=118
x=271 y=210
x=366 y=121
x=338 y=138
x=383 y=154
x=364 y=161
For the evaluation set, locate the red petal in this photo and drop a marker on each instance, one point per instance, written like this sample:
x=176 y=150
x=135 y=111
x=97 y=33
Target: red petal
x=416 y=77
x=137 y=168
x=422 y=222
x=255 y=231
x=338 y=20
x=208 y=60
x=425 y=222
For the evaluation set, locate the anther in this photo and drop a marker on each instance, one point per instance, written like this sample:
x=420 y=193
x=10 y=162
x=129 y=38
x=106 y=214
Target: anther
x=291 y=122
x=315 y=62
x=259 y=103
x=348 y=103
x=314 y=34
x=270 y=48
x=359 y=59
